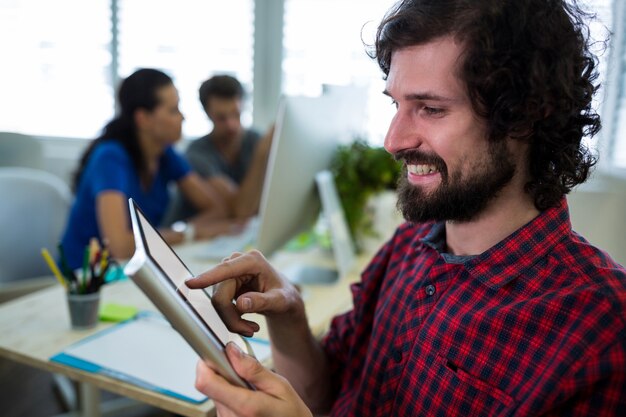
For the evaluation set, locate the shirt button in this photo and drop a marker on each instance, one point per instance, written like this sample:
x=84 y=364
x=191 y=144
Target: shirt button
x=397 y=355
x=430 y=290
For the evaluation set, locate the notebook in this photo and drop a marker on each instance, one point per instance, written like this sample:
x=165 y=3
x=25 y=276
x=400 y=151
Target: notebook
x=137 y=352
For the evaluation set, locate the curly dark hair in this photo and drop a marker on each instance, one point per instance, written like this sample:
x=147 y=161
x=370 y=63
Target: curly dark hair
x=138 y=91
x=529 y=73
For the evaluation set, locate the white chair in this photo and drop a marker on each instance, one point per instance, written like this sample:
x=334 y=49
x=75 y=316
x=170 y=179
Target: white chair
x=33 y=212
x=18 y=150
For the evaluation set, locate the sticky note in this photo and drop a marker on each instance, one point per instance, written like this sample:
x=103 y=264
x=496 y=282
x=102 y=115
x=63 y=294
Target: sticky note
x=117 y=312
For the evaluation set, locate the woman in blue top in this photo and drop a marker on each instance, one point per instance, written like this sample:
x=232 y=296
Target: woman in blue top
x=134 y=158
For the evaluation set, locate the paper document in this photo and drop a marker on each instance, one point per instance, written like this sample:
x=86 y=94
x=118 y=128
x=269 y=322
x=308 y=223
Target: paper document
x=147 y=352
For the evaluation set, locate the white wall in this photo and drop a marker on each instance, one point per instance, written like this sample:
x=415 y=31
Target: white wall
x=598 y=212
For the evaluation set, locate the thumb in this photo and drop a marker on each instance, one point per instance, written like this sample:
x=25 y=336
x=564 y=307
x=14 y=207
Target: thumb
x=250 y=369
x=269 y=302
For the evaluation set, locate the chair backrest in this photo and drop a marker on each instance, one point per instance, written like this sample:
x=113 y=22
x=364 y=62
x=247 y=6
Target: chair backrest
x=33 y=212
x=18 y=150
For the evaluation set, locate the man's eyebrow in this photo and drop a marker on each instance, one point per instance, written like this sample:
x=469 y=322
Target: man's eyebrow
x=423 y=96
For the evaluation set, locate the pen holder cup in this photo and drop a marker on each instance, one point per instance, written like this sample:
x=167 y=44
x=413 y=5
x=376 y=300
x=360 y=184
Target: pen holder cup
x=83 y=310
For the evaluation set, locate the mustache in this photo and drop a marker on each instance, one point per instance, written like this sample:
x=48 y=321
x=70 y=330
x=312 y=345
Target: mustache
x=412 y=156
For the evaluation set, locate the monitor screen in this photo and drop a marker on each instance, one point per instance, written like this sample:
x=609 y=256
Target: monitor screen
x=307 y=133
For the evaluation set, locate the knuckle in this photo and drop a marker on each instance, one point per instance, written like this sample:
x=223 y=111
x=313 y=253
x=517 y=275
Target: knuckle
x=255 y=253
x=254 y=366
x=199 y=385
x=220 y=301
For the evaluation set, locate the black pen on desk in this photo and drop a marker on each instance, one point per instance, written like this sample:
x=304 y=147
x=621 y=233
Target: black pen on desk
x=67 y=272
x=85 y=269
x=92 y=285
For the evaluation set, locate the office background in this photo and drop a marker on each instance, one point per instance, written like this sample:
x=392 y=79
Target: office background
x=63 y=59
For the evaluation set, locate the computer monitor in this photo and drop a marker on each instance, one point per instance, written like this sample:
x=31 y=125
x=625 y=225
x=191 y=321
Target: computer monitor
x=307 y=133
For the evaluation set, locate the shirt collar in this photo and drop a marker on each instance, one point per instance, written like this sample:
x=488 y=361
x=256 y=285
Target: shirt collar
x=436 y=239
x=514 y=255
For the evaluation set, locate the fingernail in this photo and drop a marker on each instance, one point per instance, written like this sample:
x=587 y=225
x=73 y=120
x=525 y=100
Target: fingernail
x=246 y=303
x=237 y=349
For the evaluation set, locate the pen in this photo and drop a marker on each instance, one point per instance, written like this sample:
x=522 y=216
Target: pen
x=104 y=259
x=69 y=274
x=53 y=267
x=93 y=283
x=85 y=267
x=94 y=249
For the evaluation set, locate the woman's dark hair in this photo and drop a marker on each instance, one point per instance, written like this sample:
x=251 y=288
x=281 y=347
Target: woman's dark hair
x=137 y=91
x=222 y=86
x=529 y=73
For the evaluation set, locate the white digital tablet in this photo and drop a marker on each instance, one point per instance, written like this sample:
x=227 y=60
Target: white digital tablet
x=158 y=271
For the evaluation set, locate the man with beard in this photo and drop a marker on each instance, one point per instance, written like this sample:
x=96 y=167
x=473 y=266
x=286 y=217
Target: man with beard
x=485 y=303
x=232 y=160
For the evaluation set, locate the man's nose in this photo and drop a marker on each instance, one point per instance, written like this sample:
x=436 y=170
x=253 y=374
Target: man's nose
x=402 y=134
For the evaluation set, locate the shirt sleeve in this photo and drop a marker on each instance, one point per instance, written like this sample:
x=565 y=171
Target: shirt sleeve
x=202 y=161
x=346 y=342
x=175 y=166
x=110 y=169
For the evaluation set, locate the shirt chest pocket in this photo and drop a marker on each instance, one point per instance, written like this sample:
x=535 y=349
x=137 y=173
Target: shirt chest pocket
x=452 y=390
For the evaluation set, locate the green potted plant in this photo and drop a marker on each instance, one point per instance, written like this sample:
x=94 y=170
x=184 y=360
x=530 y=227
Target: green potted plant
x=362 y=171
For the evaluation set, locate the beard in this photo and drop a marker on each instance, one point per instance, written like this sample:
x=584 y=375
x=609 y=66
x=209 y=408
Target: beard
x=456 y=198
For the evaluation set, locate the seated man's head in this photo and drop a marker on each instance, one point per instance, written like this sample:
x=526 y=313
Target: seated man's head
x=221 y=97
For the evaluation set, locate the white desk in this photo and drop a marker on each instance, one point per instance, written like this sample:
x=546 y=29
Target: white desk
x=37 y=326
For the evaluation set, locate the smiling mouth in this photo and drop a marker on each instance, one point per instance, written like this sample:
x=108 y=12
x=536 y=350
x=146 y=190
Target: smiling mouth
x=421 y=169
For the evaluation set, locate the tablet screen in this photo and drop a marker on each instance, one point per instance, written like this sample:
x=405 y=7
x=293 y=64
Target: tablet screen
x=176 y=272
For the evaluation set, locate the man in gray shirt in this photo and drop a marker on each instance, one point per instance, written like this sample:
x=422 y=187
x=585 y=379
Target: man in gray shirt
x=231 y=160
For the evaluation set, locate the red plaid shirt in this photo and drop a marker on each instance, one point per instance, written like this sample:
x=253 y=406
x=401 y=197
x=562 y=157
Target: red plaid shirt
x=536 y=325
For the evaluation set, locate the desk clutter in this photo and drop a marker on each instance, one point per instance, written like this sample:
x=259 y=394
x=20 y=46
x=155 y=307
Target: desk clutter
x=83 y=285
x=50 y=336
x=98 y=269
x=145 y=351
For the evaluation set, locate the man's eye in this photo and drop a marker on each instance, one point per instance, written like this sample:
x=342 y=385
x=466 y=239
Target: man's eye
x=433 y=111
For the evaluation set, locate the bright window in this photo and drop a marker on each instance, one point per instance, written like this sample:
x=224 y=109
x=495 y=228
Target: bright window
x=614 y=131
x=57 y=80
x=56 y=67
x=600 y=32
x=56 y=77
x=323 y=44
x=190 y=40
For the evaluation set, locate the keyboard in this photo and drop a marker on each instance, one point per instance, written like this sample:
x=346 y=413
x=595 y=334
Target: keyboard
x=223 y=246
